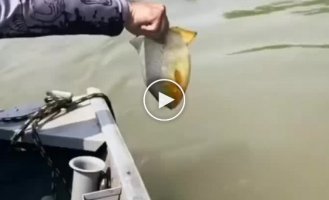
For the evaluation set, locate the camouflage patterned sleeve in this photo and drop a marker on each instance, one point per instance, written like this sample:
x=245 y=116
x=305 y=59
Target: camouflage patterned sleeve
x=29 y=18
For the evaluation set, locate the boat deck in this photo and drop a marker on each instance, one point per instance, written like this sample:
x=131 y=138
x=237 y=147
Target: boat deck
x=91 y=128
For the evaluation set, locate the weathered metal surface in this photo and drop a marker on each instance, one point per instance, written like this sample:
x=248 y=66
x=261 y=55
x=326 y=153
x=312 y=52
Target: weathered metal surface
x=123 y=167
x=108 y=194
x=77 y=129
x=18 y=112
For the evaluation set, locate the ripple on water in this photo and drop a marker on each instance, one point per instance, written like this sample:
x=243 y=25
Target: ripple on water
x=281 y=46
x=322 y=7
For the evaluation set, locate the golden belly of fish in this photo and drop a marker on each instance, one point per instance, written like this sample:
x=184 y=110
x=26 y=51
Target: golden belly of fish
x=177 y=61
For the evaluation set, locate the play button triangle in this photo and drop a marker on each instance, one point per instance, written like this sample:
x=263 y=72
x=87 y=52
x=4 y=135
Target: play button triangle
x=164 y=100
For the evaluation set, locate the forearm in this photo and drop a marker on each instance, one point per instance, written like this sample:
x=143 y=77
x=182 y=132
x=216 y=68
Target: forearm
x=28 y=18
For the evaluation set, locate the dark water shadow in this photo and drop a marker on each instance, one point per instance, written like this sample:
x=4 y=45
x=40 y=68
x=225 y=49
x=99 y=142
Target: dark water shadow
x=281 y=6
x=281 y=46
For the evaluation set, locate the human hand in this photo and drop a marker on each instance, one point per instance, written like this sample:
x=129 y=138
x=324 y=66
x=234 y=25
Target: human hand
x=148 y=19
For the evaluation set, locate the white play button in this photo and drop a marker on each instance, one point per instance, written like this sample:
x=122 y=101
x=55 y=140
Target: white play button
x=154 y=105
x=164 y=100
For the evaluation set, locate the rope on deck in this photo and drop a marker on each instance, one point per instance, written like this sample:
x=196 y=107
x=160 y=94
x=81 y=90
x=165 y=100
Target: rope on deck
x=55 y=102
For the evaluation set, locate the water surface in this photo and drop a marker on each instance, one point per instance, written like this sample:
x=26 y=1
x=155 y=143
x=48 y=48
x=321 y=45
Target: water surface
x=256 y=122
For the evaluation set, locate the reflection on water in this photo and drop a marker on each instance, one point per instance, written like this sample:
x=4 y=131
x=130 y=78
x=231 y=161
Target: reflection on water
x=281 y=6
x=313 y=11
x=281 y=46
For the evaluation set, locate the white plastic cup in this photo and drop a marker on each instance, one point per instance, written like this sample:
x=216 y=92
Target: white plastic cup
x=87 y=170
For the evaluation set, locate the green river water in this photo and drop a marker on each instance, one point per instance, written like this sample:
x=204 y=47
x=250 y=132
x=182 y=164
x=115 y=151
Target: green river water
x=256 y=124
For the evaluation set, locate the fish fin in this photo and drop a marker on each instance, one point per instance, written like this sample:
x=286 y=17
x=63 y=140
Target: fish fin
x=137 y=43
x=187 y=35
